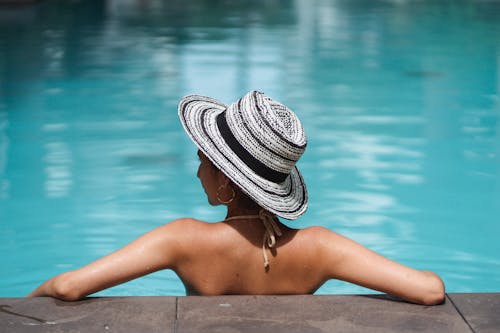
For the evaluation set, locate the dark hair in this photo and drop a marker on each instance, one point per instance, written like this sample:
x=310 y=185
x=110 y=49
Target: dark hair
x=243 y=198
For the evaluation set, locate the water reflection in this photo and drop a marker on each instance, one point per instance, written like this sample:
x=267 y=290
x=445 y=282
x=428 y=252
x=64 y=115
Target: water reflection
x=58 y=169
x=4 y=147
x=403 y=122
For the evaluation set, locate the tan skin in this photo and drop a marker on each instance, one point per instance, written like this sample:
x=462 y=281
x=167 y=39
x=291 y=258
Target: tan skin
x=226 y=257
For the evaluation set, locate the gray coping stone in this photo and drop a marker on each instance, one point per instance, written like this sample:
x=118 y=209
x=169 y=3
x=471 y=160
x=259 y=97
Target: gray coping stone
x=106 y=314
x=306 y=313
x=480 y=310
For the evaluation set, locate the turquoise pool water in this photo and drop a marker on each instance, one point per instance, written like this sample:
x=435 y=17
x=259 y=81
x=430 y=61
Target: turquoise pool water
x=400 y=100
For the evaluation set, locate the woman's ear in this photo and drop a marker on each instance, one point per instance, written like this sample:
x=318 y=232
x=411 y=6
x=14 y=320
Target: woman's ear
x=222 y=178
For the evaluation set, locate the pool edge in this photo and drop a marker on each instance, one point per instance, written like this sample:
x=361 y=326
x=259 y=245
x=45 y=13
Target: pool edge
x=461 y=312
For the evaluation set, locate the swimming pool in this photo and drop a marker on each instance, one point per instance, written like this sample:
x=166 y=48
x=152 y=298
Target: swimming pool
x=400 y=101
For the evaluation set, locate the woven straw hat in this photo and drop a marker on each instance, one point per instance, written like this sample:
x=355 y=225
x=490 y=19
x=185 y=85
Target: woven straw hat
x=256 y=142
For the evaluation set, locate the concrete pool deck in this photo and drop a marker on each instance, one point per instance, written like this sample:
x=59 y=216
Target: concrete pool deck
x=478 y=312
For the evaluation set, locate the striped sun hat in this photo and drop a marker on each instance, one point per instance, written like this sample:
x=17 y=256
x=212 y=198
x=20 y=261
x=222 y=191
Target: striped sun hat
x=256 y=142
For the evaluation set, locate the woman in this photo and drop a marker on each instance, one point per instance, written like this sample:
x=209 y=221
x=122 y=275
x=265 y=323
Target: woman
x=247 y=153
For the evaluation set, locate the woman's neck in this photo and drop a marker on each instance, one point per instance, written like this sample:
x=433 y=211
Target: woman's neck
x=242 y=210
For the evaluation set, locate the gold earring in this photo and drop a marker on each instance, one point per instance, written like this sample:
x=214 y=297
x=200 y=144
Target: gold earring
x=227 y=202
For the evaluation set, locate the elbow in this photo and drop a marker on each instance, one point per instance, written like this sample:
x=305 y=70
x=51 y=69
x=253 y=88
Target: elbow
x=65 y=288
x=435 y=293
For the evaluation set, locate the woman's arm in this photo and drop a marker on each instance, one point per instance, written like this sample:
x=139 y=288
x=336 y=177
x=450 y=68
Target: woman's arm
x=151 y=252
x=349 y=261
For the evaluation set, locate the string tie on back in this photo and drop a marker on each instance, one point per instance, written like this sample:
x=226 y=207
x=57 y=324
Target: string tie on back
x=272 y=230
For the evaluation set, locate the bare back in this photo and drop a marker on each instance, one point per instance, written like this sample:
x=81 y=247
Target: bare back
x=228 y=259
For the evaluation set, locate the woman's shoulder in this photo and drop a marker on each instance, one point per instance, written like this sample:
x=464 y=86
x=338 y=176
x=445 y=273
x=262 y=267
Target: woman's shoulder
x=188 y=222
x=315 y=232
x=188 y=226
x=305 y=240
x=188 y=235
x=315 y=239
x=191 y=227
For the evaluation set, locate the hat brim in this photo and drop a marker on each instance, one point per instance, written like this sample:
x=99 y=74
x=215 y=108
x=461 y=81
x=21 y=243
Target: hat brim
x=287 y=199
